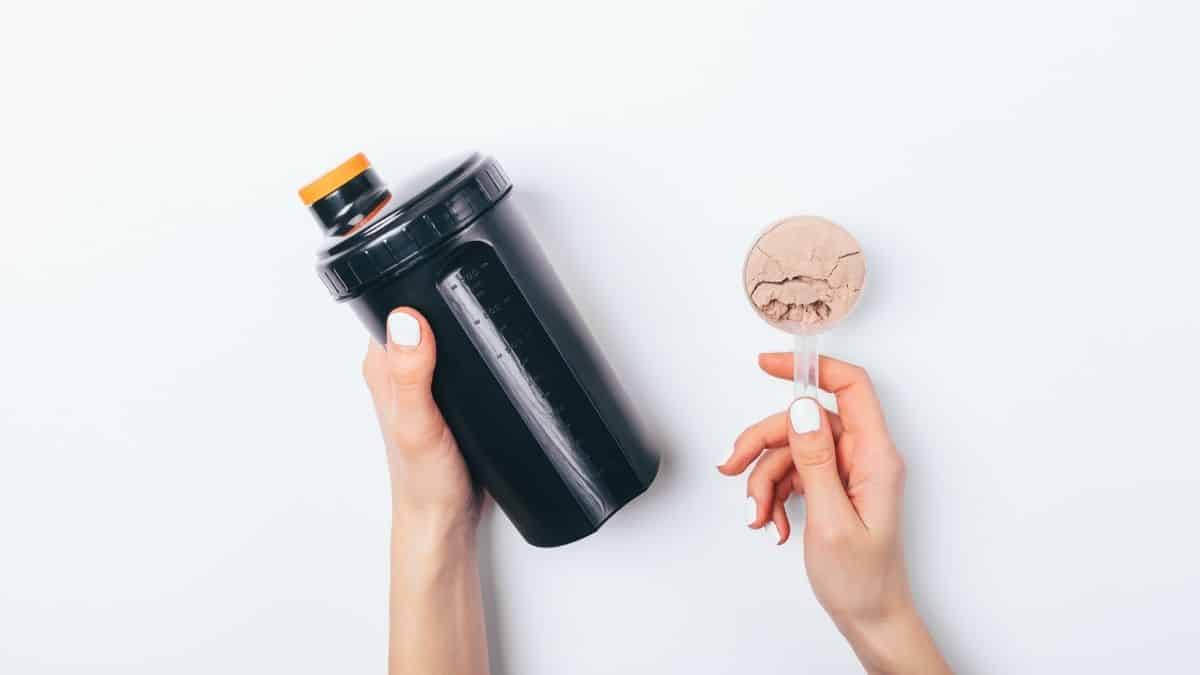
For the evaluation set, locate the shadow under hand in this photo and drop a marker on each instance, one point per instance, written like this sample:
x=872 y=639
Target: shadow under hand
x=493 y=601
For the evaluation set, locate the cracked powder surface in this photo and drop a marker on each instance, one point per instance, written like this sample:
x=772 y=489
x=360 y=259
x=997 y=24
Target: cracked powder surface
x=805 y=271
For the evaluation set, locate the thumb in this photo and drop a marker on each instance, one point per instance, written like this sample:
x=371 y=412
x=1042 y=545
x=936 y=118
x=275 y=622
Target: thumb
x=411 y=356
x=813 y=452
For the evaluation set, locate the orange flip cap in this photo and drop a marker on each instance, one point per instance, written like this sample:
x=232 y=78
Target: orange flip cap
x=334 y=179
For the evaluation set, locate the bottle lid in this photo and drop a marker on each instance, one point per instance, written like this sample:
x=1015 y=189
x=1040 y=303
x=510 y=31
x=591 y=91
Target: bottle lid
x=422 y=212
x=334 y=179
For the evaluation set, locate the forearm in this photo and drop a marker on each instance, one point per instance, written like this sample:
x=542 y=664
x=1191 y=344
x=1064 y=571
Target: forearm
x=437 y=624
x=896 y=645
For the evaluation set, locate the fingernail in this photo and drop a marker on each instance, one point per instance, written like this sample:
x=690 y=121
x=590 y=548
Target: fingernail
x=403 y=330
x=805 y=415
x=751 y=510
x=772 y=532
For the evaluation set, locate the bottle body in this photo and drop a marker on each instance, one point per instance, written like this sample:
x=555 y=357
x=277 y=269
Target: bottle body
x=539 y=415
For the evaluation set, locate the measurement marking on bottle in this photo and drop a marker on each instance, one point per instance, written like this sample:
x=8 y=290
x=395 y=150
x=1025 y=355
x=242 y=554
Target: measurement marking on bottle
x=466 y=293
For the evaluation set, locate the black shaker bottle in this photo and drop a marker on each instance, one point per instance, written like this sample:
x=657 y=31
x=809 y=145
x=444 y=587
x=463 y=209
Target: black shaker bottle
x=539 y=416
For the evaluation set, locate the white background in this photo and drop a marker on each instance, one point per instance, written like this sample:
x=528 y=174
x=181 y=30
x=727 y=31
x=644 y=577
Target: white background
x=191 y=479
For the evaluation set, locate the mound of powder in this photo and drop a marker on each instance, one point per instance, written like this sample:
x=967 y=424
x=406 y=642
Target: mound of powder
x=805 y=270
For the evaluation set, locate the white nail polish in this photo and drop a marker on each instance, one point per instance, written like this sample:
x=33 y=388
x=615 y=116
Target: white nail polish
x=403 y=330
x=772 y=532
x=751 y=510
x=805 y=416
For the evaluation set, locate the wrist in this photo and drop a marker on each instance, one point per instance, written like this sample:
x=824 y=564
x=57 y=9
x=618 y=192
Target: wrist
x=895 y=642
x=428 y=544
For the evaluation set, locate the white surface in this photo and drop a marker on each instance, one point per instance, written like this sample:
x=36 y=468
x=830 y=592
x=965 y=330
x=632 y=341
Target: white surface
x=191 y=479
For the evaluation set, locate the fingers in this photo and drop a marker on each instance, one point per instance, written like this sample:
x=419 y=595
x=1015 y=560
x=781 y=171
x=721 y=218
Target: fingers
x=857 y=402
x=783 y=528
x=774 y=476
x=784 y=489
x=771 y=432
x=375 y=372
x=835 y=424
x=772 y=468
x=812 y=450
x=399 y=377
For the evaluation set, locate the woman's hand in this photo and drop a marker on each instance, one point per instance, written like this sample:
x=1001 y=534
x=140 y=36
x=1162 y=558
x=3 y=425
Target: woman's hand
x=437 y=623
x=432 y=494
x=852 y=479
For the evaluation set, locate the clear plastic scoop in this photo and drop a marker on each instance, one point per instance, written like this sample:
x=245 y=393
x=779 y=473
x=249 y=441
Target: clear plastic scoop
x=803 y=275
x=806 y=366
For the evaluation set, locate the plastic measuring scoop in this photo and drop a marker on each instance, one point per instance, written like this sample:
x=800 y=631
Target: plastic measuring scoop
x=803 y=275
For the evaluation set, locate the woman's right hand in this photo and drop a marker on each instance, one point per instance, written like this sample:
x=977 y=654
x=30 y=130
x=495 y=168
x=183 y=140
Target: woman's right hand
x=852 y=479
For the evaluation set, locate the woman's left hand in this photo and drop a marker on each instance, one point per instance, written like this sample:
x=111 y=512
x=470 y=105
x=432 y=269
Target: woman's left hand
x=432 y=495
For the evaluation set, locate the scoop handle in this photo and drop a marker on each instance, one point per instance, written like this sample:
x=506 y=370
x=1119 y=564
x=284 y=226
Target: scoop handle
x=806 y=366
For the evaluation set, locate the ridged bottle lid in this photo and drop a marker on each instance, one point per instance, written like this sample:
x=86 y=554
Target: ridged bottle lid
x=429 y=208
